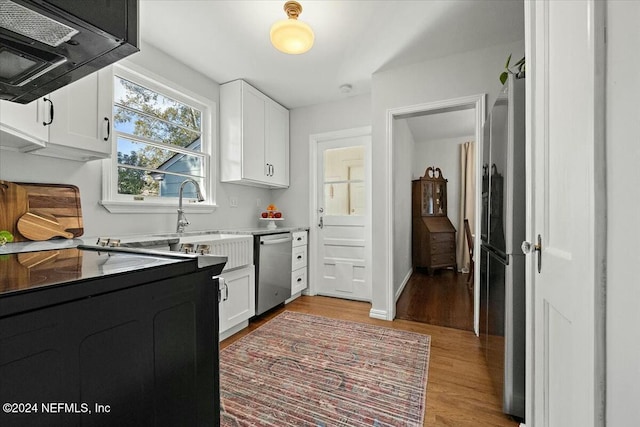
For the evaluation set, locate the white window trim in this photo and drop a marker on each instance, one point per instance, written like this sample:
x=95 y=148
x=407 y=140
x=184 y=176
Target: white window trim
x=115 y=203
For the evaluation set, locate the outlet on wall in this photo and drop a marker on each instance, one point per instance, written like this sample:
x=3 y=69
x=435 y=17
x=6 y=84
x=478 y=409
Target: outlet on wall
x=233 y=202
x=258 y=202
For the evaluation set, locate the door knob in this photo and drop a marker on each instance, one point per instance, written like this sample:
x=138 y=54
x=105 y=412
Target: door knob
x=528 y=247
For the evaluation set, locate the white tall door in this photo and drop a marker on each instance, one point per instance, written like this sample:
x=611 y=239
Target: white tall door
x=565 y=186
x=343 y=226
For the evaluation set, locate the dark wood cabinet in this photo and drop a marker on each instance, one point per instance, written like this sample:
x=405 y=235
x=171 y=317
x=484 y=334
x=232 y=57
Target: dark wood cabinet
x=434 y=237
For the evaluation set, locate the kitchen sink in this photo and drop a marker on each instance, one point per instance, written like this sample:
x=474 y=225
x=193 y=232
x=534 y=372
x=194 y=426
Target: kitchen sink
x=238 y=248
x=202 y=237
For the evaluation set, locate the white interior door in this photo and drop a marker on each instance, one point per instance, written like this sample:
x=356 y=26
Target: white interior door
x=566 y=192
x=342 y=266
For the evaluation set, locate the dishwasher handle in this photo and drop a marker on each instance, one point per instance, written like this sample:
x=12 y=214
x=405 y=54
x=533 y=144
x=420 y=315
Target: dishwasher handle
x=275 y=241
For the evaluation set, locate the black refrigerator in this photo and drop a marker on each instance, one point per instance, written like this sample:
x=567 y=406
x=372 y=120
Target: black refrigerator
x=502 y=230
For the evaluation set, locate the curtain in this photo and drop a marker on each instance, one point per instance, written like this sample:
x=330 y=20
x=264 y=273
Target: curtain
x=467 y=202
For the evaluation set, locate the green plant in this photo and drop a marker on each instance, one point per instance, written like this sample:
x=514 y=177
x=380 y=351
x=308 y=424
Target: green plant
x=516 y=69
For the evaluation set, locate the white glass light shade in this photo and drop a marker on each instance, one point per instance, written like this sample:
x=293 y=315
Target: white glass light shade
x=292 y=36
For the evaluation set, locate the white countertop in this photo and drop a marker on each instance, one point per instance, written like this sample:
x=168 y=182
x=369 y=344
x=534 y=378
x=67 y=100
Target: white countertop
x=142 y=240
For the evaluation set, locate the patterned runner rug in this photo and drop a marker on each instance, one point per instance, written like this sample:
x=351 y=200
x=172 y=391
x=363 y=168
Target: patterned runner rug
x=304 y=370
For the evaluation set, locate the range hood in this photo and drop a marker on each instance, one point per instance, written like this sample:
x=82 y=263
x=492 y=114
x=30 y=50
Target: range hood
x=47 y=44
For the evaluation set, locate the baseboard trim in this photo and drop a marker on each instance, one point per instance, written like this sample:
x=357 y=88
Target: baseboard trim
x=378 y=314
x=404 y=283
x=233 y=330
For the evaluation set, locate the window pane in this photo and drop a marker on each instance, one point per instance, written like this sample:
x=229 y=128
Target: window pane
x=137 y=124
x=336 y=199
x=150 y=102
x=137 y=182
x=170 y=187
x=342 y=164
x=344 y=181
x=344 y=198
x=148 y=156
x=159 y=142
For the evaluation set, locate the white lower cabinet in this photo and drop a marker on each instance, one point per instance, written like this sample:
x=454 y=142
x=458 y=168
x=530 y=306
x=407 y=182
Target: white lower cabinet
x=298 y=280
x=298 y=264
x=237 y=300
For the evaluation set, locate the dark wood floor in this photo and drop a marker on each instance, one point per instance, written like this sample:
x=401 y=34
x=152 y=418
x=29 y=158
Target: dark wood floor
x=459 y=388
x=442 y=299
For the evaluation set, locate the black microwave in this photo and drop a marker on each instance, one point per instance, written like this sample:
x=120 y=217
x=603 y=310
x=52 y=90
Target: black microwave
x=47 y=44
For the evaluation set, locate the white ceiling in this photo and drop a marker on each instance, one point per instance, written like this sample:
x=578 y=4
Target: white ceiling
x=228 y=40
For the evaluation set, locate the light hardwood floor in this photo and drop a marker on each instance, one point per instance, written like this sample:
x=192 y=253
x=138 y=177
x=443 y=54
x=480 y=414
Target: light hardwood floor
x=459 y=389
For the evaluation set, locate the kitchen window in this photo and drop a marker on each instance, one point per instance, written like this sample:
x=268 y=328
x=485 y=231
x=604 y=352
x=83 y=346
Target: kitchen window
x=161 y=136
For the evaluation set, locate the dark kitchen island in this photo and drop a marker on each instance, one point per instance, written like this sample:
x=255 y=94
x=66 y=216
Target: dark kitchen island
x=105 y=338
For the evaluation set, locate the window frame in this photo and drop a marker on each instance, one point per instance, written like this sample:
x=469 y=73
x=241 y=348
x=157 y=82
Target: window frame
x=127 y=203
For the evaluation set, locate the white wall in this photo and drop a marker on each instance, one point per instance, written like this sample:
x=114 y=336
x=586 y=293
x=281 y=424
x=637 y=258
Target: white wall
x=623 y=211
x=465 y=74
x=403 y=151
x=88 y=176
x=352 y=112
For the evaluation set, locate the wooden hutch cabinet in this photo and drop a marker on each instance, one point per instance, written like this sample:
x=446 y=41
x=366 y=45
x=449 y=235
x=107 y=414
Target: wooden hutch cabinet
x=434 y=237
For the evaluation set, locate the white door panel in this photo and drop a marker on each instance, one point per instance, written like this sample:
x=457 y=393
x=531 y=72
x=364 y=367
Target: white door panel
x=565 y=143
x=341 y=265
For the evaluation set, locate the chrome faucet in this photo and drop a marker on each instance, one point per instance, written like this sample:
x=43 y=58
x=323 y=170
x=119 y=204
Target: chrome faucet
x=182 y=219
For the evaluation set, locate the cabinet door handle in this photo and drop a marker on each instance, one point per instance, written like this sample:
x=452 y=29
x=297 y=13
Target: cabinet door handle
x=272 y=169
x=222 y=285
x=108 y=122
x=50 y=112
x=269 y=169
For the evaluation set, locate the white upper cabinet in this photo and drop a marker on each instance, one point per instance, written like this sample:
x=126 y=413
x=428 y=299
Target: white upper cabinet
x=251 y=121
x=254 y=133
x=22 y=125
x=78 y=130
x=277 y=144
x=66 y=123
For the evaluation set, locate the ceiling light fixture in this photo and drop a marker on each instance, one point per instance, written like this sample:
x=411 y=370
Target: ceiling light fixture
x=290 y=35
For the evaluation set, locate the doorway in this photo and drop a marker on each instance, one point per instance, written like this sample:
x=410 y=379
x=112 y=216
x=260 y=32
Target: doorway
x=402 y=153
x=340 y=209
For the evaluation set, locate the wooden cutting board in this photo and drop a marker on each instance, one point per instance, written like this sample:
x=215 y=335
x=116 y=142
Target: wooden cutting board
x=39 y=226
x=58 y=200
x=13 y=204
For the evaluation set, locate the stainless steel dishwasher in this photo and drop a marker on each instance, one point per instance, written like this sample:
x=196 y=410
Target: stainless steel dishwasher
x=273 y=264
